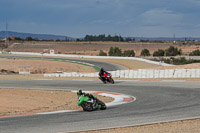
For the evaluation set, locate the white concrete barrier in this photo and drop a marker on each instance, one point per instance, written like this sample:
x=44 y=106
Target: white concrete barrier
x=161 y=74
x=183 y=73
x=130 y=74
x=24 y=73
x=135 y=73
x=140 y=73
x=113 y=73
x=75 y=74
x=143 y=73
x=156 y=73
x=188 y=73
x=67 y=74
x=126 y=73
x=171 y=73
x=193 y=74
x=166 y=73
x=122 y=74
x=151 y=73
x=117 y=74
x=198 y=73
x=179 y=74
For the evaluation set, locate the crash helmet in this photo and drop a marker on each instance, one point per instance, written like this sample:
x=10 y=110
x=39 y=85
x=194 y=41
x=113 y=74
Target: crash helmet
x=102 y=70
x=79 y=92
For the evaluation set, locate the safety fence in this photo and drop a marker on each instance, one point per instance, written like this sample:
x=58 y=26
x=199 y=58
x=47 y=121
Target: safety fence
x=140 y=73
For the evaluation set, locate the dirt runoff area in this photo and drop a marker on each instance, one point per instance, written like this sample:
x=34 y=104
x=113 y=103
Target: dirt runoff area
x=24 y=101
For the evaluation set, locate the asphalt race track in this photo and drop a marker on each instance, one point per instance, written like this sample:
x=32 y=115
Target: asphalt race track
x=156 y=102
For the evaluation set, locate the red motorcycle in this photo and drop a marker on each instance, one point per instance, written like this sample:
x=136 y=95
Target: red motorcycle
x=107 y=77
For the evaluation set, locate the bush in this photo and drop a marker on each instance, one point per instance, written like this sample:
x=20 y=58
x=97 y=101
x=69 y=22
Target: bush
x=115 y=51
x=101 y=53
x=195 y=53
x=177 y=61
x=172 y=51
x=160 y=52
x=129 y=53
x=145 y=52
x=180 y=61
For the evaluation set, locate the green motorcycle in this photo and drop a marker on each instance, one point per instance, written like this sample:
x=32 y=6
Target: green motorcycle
x=90 y=104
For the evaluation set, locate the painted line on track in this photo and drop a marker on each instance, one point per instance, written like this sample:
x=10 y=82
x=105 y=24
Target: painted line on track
x=118 y=99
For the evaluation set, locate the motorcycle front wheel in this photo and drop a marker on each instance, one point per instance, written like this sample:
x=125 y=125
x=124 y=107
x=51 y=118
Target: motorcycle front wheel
x=103 y=105
x=112 y=81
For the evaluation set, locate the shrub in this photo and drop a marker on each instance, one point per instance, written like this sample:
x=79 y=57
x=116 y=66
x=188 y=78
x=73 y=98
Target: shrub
x=101 y=53
x=177 y=61
x=129 y=53
x=145 y=52
x=160 y=52
x=115 y=51
x=172 y=51
x=195 y=53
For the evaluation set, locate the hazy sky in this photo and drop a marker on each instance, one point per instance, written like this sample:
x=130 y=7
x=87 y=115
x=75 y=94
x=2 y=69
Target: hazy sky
x=76 y=18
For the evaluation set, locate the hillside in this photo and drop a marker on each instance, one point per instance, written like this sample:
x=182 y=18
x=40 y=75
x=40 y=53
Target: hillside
x=39 y=36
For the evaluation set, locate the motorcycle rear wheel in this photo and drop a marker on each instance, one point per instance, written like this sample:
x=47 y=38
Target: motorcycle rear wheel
x=87 y=106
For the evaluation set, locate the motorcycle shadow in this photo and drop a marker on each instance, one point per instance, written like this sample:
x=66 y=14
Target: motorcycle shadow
x=116 y=82
x=99 y=110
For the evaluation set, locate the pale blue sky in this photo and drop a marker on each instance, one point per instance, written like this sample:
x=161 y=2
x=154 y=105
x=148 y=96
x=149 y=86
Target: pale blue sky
x=76 y=18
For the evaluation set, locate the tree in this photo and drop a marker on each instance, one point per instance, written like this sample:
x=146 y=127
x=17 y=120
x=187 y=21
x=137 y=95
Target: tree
x=103 y=37
x=172 y=51
x=195 y=53
x=160 y=52
x=18 y=38
x=29 y=39
x=145 y=52
x=129 y=53
x=129 y=39
x=101 y=53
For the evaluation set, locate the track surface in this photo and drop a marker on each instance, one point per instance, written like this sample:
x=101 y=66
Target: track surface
x=156 y=102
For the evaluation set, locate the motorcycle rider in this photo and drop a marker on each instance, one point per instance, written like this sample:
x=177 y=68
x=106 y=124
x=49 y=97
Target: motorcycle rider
x=80 y=92
x=96 y=103
x=101 y=74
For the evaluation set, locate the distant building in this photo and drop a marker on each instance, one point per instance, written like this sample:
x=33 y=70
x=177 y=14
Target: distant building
x=12 y=38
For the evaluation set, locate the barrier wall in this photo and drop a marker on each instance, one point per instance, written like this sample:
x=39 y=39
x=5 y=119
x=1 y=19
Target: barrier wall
x=140 y=73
